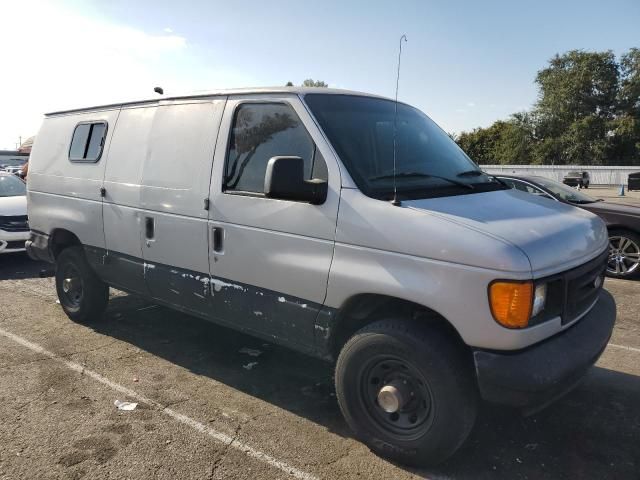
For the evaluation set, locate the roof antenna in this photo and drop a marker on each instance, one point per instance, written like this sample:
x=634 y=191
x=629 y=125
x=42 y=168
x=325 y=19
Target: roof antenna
x=159 y=90
x=395 y=200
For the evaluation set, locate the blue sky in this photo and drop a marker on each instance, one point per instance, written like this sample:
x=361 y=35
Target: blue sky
x=466 y=63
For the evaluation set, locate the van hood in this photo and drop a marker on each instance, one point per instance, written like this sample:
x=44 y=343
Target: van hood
x=554 y=236
x=11 y=206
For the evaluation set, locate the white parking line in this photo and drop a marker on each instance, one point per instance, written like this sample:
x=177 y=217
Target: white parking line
x=624 y=347
x=200 y=427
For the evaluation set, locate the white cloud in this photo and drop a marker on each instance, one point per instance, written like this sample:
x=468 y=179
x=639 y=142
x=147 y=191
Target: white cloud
x=471 y=104
x=168 y=30
x=54 y=58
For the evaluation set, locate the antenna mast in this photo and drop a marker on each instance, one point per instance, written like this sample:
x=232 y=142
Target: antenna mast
x=395 y=200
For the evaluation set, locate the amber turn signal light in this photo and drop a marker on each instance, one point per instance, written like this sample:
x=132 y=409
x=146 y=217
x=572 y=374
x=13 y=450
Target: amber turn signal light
x=511 y=303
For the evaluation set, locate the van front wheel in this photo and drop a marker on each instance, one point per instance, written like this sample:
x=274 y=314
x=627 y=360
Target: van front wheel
x=406 y=391
x=83 y=296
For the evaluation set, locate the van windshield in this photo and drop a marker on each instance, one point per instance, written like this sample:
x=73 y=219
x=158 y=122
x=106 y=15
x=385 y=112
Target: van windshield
x=428 y=161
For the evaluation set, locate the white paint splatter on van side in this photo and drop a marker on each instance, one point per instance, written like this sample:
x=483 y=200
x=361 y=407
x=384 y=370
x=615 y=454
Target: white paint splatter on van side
x=257 y=313
x=281 y=299
x=219 y=285
x=147 y=266
x=325 y=331
x=304 y=305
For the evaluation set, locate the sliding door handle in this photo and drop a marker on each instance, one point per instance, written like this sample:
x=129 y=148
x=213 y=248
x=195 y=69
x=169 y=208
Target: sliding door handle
x=149 y=230
x=218 y=240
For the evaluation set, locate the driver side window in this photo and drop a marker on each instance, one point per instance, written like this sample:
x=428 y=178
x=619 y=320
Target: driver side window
x=261 y=131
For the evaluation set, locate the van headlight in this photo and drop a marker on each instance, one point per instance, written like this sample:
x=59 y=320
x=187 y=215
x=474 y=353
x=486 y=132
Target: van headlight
x=539 y=299
x=514 y=303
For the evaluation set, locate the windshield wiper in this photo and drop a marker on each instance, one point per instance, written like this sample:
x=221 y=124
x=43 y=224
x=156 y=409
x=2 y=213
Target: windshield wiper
x=477 y=173
x=421 y=175
x=471 y=173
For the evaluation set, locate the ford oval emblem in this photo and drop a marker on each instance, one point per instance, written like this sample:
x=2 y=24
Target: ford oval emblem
x=597 y=282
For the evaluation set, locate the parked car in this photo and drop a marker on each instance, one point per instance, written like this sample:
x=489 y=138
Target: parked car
x=426 y=286
x=623 y=221
x=577 y=179
x=12 y=165
x=14 y=228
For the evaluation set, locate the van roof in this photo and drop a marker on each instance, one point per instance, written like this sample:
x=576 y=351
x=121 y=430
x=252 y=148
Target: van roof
x=216 y=93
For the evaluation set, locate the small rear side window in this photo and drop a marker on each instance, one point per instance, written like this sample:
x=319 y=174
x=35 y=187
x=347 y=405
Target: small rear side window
x=87 y=142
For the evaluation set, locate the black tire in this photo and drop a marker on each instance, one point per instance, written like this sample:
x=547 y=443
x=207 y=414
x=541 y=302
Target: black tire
x=440 y=366
x=84 y=298
x=631 y=251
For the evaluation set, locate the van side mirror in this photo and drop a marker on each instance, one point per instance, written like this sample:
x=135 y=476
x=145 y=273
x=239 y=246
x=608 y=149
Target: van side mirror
x=284 y=179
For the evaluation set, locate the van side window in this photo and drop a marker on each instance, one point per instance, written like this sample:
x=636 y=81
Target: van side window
x=261 y=131
x=87 y=142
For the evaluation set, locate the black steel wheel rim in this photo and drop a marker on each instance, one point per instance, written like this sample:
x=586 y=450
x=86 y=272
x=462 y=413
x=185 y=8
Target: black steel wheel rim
x=72 y=286
x=415 y=417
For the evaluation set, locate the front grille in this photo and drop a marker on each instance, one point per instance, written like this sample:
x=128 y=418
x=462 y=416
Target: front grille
x=15 y=223
x=583 y=284
x=15 y=244
x=570 y=293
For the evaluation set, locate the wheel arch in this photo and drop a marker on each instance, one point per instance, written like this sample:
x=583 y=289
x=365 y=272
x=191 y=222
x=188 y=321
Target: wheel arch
x=362 y=309
x=61 y=238
x=619 y=227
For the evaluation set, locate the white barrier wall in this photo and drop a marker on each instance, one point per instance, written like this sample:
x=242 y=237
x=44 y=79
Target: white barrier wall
x=600 y=175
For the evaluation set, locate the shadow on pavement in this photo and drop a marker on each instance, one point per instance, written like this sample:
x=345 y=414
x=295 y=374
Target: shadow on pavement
x=18 y=266
x=594 y=432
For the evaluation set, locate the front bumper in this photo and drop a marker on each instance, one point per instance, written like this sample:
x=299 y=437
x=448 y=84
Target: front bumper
x=12 y=241
x=38 y=247
x=536 y=376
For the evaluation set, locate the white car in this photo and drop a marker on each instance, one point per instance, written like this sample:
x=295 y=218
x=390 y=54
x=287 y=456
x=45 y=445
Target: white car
x=14 y=228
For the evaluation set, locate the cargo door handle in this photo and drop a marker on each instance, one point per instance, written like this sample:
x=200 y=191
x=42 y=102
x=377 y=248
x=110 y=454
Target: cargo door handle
x=149 y=230
x=218 y=240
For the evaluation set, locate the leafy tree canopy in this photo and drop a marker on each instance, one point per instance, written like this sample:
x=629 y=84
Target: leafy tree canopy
x=587 y=112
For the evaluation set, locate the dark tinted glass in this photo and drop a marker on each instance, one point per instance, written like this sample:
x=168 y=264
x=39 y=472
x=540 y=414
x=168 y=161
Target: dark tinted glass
x=361 y=130
x=259 y=132
x=11 y=186
x=79 y=141
x=95 y=141
x=564 y=192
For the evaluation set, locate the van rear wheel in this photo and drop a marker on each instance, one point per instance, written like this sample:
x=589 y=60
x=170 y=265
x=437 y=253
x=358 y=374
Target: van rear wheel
x=407 y=391
x=83 y=296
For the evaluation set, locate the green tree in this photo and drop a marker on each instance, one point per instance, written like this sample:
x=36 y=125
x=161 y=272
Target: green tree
x=577 y=100
x=309 y=82
x=624 y=131
x=480 y=143
x=515 y=144
x=587 y=112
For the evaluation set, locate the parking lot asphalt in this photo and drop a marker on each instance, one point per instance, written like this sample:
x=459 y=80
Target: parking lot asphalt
x=207 y=410
x=612 y=194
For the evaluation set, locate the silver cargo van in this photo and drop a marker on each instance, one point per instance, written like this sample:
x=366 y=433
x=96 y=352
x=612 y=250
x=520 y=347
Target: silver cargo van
x=277 y=212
